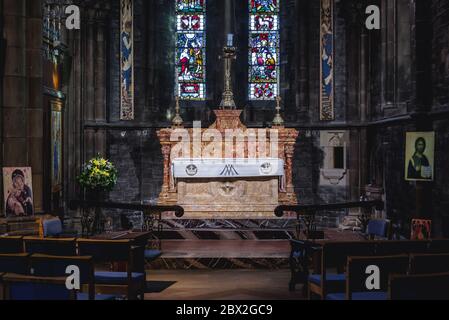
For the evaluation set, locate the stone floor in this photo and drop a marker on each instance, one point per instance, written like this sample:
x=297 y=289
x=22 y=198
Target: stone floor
x=221 y=285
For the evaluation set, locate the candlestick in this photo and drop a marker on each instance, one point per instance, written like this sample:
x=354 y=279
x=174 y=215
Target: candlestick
x=278 y=121
x=177 y=120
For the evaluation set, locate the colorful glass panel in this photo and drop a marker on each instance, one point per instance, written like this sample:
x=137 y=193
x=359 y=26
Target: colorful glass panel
x=263 y=49
x=191 y=49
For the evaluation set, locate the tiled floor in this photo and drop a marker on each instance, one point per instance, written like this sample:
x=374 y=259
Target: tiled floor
x=223 y=285
x=226 y=249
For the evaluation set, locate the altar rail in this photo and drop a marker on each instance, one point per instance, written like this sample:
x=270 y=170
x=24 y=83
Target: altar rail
x=311 y=209
x=149 y=209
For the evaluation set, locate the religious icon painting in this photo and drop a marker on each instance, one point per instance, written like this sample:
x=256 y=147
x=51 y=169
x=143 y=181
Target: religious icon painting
x=327 y=61
x=18 y=192
x=421 y=229
x=420 y=156
x=126 y=61
x=56 y=146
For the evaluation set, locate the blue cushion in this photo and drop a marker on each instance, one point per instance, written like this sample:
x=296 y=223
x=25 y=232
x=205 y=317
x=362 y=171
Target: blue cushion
x=52 y=227
x=152 y=254
x=373 y=296
x=119 y=278
x=38 y=291
x=297 y=254
x=101 y=297
x=330 y=277
x=377 y=228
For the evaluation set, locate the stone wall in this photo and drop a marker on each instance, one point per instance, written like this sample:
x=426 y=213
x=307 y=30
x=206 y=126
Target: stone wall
x=22 y=110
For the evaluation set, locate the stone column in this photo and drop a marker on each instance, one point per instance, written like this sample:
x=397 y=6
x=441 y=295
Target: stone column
x=100 y=82
x=89 y=61
x=22 y=91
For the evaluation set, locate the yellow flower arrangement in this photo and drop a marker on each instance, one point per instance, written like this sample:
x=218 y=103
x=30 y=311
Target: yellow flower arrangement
x=98 y=174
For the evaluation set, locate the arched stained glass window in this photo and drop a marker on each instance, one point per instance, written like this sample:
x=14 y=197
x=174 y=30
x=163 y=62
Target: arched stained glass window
x=191 y=49
x=263 y=49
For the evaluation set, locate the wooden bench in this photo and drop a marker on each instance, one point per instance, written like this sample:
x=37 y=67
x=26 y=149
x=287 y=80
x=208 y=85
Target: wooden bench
x=386 y=248
x=14 y=263
x=439 y=246
x=429 y=263
x=11 y=244
x=55 y=247
x=26 y=287
x=419 y=287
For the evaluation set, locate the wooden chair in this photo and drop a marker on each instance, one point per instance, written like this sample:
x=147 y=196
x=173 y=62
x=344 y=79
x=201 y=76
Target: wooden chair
x=301 y=256
x=25 y=287
x=132 y=279
x=334 y=255
x=14 y=263
x=356 y=277
x=389 y=248
x=55 y=266
x=11 y=245
x=419 y=287
x=55 y=247
x=429 y=263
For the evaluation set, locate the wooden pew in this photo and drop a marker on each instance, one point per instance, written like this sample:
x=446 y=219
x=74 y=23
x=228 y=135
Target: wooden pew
x=25 y=287
x=429 y=263
x=55 y=247
x=334 y=255
x=356 y=277
x=132 y=279
x=11 y=244
x=439 y=246
x=387 y=248
x=14 y=263
x=419 y=287
x=55 y=266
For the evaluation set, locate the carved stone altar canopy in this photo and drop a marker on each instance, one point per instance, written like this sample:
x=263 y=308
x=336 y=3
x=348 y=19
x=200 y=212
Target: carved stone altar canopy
x=230 y=197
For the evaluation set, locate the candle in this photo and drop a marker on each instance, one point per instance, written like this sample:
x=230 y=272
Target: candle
x=230 y=40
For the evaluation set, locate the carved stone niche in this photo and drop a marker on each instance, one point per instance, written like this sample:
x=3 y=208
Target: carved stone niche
x=217 y=198
x=334 y=171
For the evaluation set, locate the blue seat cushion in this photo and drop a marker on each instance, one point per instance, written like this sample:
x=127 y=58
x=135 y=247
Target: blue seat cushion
x=152 y=254
x=52 y=227
x=330 y=277
x=377 y=228
x=367 y=296
x=119 y=278
x=38 y=291
x=100 y=297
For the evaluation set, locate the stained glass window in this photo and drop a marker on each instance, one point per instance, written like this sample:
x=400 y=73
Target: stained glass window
x=191 y=49
x=263 y=49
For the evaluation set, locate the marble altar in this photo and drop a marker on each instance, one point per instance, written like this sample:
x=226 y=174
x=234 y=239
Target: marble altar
x=231 y=196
